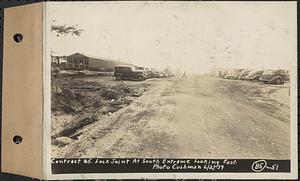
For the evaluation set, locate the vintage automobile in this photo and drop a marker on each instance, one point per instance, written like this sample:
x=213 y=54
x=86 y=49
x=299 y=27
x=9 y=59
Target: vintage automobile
x=233 y=74
x=254 y=75
x=237 y=73
x=243 y=74
x=222 y=74
x=153 y=74
x=148 y=72
x=229 y=75
x=162 y=75
x=127 y=72
x=274 y=76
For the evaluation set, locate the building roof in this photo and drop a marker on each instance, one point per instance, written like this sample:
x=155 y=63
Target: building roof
x=95 y=57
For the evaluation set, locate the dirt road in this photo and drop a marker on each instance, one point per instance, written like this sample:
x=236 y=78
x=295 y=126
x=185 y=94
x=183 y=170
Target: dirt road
x=199 y=117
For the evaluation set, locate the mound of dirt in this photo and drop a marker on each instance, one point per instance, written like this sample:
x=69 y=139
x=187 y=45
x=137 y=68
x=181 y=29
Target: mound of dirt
x=111 y=94
x=68 y=101
x=78 y=101
x=72 y=126
x=61 y=141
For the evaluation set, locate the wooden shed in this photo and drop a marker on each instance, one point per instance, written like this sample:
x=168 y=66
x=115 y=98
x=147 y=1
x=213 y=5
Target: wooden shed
x=78 y=61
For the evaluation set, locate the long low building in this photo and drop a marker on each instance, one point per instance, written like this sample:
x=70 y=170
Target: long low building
x=78 y=61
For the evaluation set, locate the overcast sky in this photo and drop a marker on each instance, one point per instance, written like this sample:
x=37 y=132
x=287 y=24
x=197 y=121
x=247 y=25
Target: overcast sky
x=192 y=36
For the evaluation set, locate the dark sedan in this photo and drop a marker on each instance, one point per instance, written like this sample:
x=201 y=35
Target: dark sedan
x=254 y=75
x=274 y=76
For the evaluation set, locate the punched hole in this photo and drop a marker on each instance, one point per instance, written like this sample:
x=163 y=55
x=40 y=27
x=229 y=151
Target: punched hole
x=17 y=139
x=18 y=37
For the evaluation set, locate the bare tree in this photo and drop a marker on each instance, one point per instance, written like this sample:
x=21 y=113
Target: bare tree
x=66 y=30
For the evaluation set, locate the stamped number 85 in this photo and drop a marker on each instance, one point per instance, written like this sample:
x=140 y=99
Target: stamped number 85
x=259 y=165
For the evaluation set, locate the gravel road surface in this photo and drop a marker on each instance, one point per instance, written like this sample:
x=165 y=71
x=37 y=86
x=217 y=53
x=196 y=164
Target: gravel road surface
x=199 y=116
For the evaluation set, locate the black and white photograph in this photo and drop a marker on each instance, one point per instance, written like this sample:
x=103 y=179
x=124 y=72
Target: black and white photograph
x=174 y=80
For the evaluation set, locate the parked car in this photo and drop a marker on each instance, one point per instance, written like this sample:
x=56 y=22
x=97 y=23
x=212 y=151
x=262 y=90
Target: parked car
x=149 y=72
x=237 y=73
x=155 y=74
x=233 y=74
x=243 y=74
x=152 y=74
x=274 y=76
x=127 y=72
x=223 y=74
x=229 y=75
x=162 y=75
x=254 y=75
